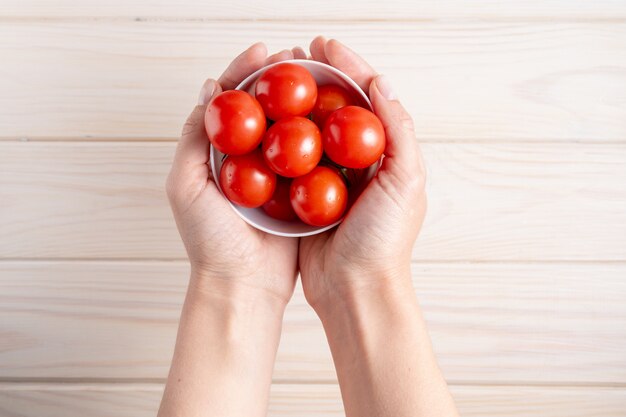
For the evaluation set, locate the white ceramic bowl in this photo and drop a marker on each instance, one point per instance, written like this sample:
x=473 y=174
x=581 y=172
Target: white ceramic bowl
x=324 y=74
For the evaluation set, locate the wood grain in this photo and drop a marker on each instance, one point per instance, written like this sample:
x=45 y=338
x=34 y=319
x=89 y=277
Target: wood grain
x=138 y=400
x=529 y=81
x=299 y=9
x=490 y=323
x=486 y=202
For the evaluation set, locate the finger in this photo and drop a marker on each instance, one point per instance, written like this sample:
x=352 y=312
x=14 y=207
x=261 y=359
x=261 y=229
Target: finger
x=193 y=146
x=317 y=49
x=283 y=55
x=298 y=53
x=349 y=62
x=245 y=64
x=209 y=89
x=401 y=150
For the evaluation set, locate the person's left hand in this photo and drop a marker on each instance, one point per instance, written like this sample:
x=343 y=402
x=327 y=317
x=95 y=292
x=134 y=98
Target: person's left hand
x=227 y=255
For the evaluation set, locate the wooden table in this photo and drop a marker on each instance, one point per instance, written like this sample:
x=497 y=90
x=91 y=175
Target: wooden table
x=521 y=266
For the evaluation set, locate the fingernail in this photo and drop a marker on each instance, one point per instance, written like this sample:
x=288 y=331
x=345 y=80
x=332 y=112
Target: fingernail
x=384 y=86
x=257 y=45
x=206 y=92
x=337 y=42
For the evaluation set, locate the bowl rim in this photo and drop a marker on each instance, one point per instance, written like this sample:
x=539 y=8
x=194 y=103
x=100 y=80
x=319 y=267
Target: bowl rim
x=243 y=86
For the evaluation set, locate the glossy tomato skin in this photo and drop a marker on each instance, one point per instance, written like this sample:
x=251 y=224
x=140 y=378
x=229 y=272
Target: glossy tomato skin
x=353 y=137
x=320 y=197
x=330 y=98
x=246 y=180
x=279 y=206
x=292 y=146
x=286 y=90
x=234 y=122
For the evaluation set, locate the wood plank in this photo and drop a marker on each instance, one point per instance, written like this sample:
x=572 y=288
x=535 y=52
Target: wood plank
x=487 y=201
x=364 y=9
x=138 y=400
x=461 y=81
x=490 y=323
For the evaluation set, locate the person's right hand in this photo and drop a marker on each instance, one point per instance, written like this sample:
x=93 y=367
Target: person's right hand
x=227 y=255
x=372 y=247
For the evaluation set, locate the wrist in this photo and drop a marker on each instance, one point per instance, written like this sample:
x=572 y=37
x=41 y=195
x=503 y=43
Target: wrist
x=234 y=319
x=364 y=321
x=233 y=296
x=356 y=293
x=388 y=301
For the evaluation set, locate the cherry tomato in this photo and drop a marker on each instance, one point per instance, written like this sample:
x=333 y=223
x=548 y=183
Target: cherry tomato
x=353 y=137
x=279 y=206
x=320 y=197
x=286 y=90
x=330 y=98
x=246 y=179
x=234 y=122
x=292 y=146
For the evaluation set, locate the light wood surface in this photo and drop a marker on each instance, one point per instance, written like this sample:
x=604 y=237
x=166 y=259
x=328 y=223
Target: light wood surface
x=319 y=400
x=531 y=81
x=419 y=10
x=521 y=266
x=486 y=201
x=490 y=322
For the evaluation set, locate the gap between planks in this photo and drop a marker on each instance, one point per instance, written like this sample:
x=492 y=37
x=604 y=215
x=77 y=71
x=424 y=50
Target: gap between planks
x=70 y=381
x=413 y=262
x=476 y=141
x=428 y=20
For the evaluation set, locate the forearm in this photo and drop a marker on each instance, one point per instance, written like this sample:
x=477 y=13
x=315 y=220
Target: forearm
x=383 y=355
x=224 y=354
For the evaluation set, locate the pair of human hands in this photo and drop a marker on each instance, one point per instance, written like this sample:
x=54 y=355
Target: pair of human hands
x=371 y=247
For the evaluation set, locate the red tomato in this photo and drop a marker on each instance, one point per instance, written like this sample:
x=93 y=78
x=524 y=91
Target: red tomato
x=234 y=122
x=286 y=90
x=279 y=206
x=353 y=137
x=292 y=146
x=320 y=197
x=330 y=98
x=246 y=179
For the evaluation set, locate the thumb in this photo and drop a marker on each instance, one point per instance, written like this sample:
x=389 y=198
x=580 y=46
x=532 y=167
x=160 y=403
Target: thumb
x=402 y=153
x=209 y=89
x=190 y=172
x=193 y=147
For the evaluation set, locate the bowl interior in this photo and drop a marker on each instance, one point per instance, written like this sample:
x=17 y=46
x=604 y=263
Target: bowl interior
x=323 y=74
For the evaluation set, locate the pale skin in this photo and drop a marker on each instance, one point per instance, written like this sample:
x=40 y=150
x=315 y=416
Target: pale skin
x=356 y=277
